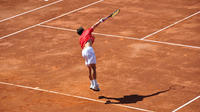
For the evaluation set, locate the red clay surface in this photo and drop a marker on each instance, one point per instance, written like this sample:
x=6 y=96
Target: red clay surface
x=51 y=59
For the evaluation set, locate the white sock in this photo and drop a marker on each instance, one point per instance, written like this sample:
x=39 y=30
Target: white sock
x=91 y=83
x=95 y=82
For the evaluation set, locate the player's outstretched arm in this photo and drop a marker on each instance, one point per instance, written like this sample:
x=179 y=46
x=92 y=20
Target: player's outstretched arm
x=98 y=23
x=104 y=19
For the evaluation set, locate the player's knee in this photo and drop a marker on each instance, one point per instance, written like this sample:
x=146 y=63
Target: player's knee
x=93 y=66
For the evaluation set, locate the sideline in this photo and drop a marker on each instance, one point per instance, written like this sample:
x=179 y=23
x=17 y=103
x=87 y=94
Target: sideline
x=170 y=25
x=75 y=10
x=80 y=97
x=30 y=11
x=186 y=104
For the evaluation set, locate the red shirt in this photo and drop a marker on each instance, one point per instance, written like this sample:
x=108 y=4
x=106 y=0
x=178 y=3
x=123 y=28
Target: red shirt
x=85 y=36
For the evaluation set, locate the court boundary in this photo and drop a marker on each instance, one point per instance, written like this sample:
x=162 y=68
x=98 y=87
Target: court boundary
x=20 y=14
x=186 y=104
x=75 y=96
x=67 y=13
x=170 y=25
x=125 y=37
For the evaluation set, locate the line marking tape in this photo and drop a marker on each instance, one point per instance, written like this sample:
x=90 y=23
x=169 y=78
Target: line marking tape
x=170 y=25
x=51 y=19
x=30 y=11
x=133 y=38
x=186 y=104
x=80 y=97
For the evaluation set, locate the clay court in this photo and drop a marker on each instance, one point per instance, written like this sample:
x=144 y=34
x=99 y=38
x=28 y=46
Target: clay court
x=148 y=56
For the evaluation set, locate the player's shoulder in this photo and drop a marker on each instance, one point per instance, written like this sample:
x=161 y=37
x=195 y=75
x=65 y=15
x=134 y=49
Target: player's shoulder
x=90 y=29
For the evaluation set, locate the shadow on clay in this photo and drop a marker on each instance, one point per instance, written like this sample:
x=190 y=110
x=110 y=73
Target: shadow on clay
x=129 y=98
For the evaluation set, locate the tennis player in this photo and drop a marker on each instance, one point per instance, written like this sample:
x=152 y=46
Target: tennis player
x=86 y=40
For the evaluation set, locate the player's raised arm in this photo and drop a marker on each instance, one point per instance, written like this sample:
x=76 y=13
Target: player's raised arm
x=97 y=24
x=104 y=19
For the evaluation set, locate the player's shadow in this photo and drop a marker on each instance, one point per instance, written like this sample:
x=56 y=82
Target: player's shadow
x=129 y=98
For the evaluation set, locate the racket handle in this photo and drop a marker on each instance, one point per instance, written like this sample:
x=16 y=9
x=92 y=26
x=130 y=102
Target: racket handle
x=104 y=19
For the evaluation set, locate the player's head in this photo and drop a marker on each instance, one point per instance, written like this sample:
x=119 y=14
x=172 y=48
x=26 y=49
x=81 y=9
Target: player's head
x=80 y=30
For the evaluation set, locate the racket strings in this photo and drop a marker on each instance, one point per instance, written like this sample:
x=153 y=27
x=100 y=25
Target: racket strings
x=116 y=12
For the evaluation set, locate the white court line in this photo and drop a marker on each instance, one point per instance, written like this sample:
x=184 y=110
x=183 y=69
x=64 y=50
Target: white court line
x=133 y=38
x=80 y=97
x=170 y=25
x=30 y=11
x=186 y=104
x=51 y=19
x=66 y=29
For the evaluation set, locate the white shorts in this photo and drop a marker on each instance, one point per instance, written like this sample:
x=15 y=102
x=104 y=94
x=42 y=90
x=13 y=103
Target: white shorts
x=89 y=55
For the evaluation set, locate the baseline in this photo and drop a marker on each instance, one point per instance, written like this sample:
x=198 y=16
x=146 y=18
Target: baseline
x=170 y=25
x=80 y=97
x=186 y=104
x=75 y=10
x=133 y=38
x=30 y=11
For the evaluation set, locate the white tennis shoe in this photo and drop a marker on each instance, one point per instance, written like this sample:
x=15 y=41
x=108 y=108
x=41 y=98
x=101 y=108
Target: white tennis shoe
x=95 y=88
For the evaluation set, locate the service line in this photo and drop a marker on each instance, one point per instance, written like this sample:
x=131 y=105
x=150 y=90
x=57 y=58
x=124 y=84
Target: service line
x=186 y=104
x=51 y=19
x=30 y=11
x=75 y=96
x=118 y=36
x=170 y=25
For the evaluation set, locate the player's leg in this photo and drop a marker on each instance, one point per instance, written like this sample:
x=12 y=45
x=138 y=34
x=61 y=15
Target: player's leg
x=85 y=56
x=90 y=77
x=94 y=76
x=90 y=73
x=90 y=61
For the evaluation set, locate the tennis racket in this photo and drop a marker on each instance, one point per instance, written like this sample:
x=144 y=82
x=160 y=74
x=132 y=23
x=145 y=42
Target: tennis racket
x=112 y=15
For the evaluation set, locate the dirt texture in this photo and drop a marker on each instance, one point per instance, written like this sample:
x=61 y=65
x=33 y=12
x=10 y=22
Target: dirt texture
x=136 y=73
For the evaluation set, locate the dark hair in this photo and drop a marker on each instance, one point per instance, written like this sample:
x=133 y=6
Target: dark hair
x=80 y=30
